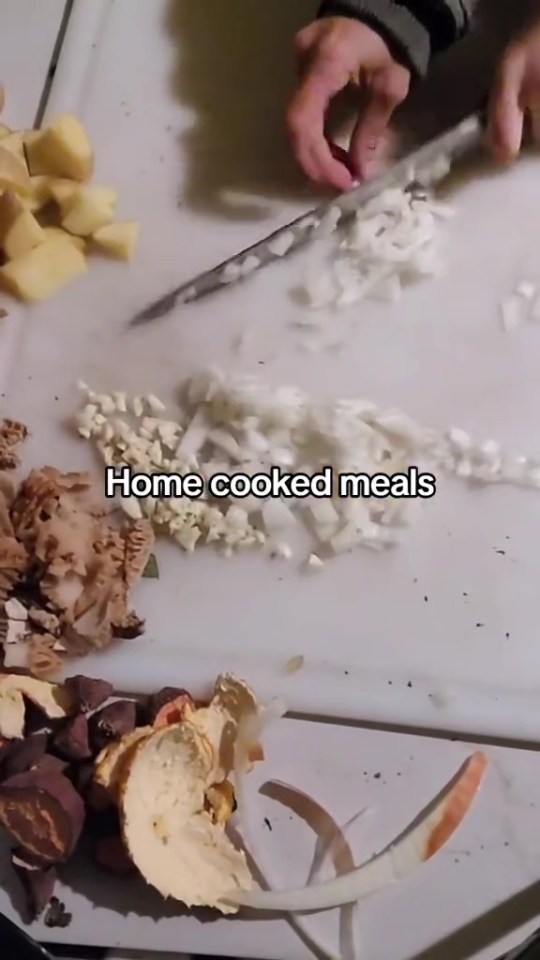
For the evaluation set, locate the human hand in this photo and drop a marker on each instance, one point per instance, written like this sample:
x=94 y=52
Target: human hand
x=332 y=53
x=515 y=94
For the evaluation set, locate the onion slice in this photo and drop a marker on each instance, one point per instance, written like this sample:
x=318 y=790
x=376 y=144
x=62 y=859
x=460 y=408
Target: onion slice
x=418 y=843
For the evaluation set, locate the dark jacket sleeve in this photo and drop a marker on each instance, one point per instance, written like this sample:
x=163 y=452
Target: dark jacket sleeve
x=413 y=29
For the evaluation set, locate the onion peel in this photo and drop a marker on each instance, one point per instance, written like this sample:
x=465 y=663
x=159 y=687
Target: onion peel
x=420 y=841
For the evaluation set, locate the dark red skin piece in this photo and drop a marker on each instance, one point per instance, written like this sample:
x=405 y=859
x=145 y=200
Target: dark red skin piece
x=111 y=854
x=158 y=700
x=72 y=740
x=87 y=693
x=50 y=764
x=38 y=883
x=44 y=814
x=24 y=755
x=111 y=723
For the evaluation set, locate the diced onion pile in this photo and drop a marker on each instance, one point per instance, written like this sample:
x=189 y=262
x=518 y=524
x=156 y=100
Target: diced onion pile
x=393 y=240
x=231 y=425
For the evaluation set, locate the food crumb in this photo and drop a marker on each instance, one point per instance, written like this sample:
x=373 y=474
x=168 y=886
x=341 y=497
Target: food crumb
x=294 y=664
x=376 y=776
x=479 y=624
x=57 y=915
x=268 y=824
x=409 y=684
x=426 y=599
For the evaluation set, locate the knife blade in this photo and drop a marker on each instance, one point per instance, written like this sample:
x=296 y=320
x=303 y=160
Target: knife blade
x=451 y=145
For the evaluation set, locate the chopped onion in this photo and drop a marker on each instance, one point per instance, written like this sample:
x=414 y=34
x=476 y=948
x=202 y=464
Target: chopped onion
x=419 y=843
x=393 y=237
x=282 y=244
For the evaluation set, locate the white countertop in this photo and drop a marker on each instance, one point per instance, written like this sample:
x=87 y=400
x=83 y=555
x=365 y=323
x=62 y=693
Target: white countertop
x=495 y=856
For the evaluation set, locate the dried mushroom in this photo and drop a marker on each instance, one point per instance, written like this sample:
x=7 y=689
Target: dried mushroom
x=43 y=656
x=83 y=566
x=12 y=434
x=13 y=565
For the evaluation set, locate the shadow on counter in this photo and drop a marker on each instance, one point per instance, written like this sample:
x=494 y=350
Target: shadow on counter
x=235 y=68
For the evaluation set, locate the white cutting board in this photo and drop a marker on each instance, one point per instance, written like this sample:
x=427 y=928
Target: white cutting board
x=28 y=33
x=185 y=110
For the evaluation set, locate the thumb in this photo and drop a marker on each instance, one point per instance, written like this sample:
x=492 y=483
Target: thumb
x=369 y=133
x=507 y=115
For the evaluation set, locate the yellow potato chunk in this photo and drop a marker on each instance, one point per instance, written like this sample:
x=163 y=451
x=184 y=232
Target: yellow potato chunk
x=118 y=240
x=14 y=143
x=61 y=150
x=39 y=195
x=13 y=174
x=19 y=230
x=63 y=191
x=90 y=209
x=78 y=242
x=44 y=271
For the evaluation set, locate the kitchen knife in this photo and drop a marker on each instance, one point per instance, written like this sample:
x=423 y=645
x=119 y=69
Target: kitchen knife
x=448 y=147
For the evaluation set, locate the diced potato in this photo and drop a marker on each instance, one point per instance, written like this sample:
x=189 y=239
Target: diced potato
x=90 y=209
x=19 y=230
x=60 y=234
x=13 y=175
x=4 y=131
x=40 y=194
x=14 y=143
x=62 y=150
x=44 y=271
x=63 y=191
x=118 y=239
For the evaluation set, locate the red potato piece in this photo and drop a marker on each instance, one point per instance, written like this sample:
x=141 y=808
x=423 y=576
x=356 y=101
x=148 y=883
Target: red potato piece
x=44 y=814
